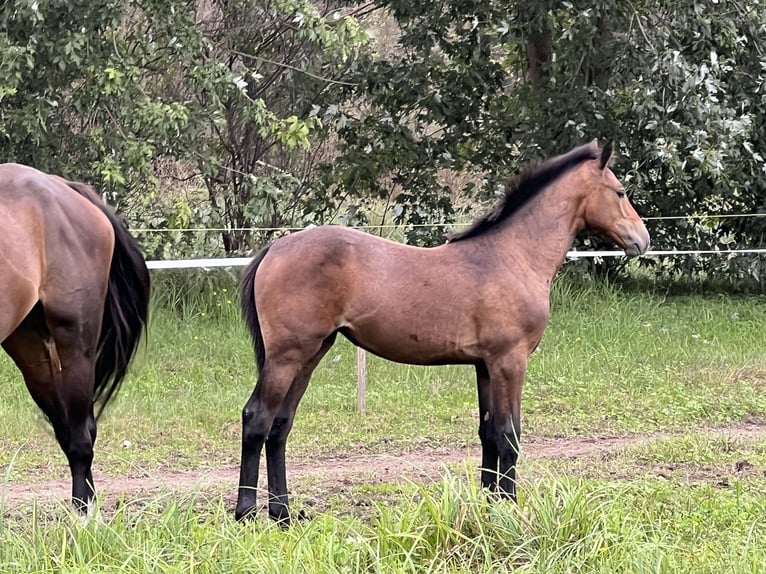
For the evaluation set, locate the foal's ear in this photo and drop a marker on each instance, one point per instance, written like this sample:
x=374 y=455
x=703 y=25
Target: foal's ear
x=606 y=155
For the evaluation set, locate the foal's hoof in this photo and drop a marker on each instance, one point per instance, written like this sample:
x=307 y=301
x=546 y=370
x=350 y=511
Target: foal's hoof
x=246 y=515
x=285 y=518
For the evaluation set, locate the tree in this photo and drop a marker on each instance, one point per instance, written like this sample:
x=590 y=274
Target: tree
x=485 y=86
x=240 y=100
x=48 y=51
x=220 y=93
x=250 y=91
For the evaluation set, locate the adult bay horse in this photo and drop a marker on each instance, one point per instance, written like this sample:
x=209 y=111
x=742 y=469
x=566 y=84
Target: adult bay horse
x=481 y=299
x=75 y=299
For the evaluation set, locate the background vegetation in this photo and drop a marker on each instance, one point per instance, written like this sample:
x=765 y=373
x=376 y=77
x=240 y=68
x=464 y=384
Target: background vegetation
x=248 y=114
x=613 y=361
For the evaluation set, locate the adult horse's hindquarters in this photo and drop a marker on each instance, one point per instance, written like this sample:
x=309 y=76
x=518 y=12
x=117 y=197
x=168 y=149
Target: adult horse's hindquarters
x=75 y=299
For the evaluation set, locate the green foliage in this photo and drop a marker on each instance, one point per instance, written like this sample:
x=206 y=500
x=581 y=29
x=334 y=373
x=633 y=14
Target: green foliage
x=678 y=85
x=49 y=51
x=241 y=114
x=420 y=109
x=134 y=98
x=241 y=86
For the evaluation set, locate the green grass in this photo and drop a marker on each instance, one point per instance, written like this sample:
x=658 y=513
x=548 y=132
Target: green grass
x=612 y=361
x=451 y=526
x=694 y=459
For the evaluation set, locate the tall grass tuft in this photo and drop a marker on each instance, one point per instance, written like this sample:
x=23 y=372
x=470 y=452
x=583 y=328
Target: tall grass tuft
x=210 y=292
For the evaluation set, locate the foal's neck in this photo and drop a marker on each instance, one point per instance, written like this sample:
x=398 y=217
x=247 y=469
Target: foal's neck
x=542 y=232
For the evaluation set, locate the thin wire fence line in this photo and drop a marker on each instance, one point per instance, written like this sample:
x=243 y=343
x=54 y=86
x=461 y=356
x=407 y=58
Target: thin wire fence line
x=703 y=216
x=243 y=261
x=419 y=225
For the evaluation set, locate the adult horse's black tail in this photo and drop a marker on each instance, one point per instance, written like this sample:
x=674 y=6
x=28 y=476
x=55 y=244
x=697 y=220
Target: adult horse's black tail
x=126 y=309
x=249 y=312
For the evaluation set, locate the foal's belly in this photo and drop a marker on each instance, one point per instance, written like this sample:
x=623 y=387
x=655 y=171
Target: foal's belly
x=412 y=347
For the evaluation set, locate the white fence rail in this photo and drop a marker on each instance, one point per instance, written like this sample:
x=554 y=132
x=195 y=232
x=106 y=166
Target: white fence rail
x=242 y=261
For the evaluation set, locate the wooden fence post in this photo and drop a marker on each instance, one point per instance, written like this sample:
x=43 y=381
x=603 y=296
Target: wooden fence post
x=361 y=380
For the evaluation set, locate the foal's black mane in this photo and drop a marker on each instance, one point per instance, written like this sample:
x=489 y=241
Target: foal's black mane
x=519 y=191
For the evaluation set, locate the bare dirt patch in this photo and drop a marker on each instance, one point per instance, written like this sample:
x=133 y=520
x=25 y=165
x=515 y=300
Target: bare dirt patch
x=421 y=465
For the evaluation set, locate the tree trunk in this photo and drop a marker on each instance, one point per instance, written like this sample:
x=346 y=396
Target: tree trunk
x=539 y=43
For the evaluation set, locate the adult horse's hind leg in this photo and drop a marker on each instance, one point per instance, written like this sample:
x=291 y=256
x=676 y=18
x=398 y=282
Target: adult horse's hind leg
x=277 y=441
x=58 y=369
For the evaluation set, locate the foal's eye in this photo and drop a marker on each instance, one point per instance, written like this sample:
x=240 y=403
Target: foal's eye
x=620 y=193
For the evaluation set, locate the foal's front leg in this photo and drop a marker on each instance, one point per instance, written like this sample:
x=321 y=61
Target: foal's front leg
x=486 y=435
x=506 y=381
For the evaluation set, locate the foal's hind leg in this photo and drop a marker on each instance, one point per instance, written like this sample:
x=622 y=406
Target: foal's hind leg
x=274 y=381
x=277 y=440
x=275 y=384
x=58 y=371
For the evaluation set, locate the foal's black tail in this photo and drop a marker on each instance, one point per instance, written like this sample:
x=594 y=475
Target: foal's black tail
x=126 y=309
x=249 y=312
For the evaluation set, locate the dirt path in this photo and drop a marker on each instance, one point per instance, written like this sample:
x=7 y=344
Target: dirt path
x=420 y=465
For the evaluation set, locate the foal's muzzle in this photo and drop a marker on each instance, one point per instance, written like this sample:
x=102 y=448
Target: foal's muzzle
x=636 y=241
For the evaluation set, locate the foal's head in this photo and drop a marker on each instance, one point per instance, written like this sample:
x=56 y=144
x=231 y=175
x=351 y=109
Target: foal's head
x=607 y=209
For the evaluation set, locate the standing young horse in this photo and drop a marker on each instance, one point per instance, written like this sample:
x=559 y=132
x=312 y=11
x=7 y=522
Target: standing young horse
x=75 y=294
x=481 y=299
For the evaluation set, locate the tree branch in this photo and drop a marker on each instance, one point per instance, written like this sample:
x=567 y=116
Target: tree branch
x=293 y=68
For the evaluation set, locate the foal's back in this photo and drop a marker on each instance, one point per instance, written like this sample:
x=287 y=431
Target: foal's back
x=407 y=304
